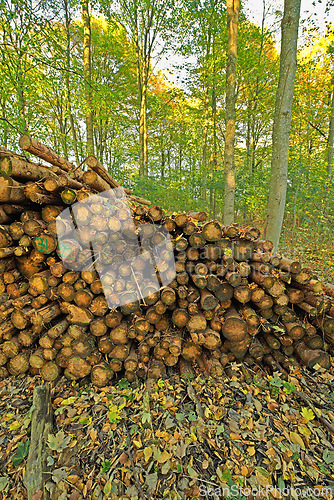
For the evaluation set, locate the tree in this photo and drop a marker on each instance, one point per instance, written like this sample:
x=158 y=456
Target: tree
x=88 y=77
x=231 y=66
x=282 y=121
x=330 y=148
x=22 y=32
x=147 y=23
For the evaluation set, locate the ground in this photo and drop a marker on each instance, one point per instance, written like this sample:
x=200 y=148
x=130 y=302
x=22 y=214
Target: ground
x=178 y=439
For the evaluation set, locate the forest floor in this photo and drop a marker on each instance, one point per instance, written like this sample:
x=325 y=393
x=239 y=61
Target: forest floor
x=178 y=439
x=310 y=242
x=313 y=245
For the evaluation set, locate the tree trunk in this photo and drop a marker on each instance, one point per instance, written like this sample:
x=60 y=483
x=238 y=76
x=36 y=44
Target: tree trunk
x=232 y=31
x=330 y=141
x=68 y=90
x=88 y=77
x=282 y=121
x=41 y=427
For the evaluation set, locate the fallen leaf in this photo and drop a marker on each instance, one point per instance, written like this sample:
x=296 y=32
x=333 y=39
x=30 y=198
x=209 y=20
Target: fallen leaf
x=164 y=457
x=295 y=438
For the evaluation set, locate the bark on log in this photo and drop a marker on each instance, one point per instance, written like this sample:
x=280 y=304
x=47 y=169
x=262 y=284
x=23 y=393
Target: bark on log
x=36 y=475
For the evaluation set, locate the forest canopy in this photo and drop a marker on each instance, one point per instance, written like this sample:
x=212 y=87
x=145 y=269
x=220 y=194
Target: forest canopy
x=174 y=152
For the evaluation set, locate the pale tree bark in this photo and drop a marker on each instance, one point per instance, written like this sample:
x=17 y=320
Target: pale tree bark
x=330 y=142
x=143 y=60
x=206 y=115
x=67 y=77
x=233 y=7
x=213 y=159
x=145 y=21
x=88 y=77
x=282 y=121
x=205 y=142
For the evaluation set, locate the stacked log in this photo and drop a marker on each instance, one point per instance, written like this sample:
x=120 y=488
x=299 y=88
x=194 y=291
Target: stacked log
x=228 y=298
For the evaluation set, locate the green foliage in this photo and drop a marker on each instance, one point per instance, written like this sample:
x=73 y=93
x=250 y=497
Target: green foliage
x=105 y=466
x=42 y=92
x=21 y=452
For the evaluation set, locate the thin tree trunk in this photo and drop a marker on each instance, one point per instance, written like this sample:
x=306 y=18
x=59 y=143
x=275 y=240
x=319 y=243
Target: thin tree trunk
x=5 y=127
x=331 y=142
x=139 y=69
x=232 y=31
x=214 y=133
x=206 y=119
x=282 y=121
x=68 y=91
x=205 y=144
x=253 y=139
x=88 y=77
x=145 y=146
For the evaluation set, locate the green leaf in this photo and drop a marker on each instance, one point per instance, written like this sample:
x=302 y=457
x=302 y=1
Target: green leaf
x=68 y=401
x=179 y=416
x=21 y=452
x=4 y=483
x=123 y=383
x=275 y=382
x=289 y=387
x=324 y=469
x=281 y=483
x=109 y=488
x=191 y=471
x=220 y=429
x=161 y=383
x=225 y=475
x=192 y=416
x=106 y=465
x=114 y=414
x=328 y=456
x=85 y=420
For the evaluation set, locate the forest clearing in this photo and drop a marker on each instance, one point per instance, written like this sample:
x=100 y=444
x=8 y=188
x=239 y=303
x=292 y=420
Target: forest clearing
x=166 y=250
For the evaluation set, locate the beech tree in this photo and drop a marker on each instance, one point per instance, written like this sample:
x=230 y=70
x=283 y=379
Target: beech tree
x=88 y=76
x=282 y=121
x=147 y=24
x=231 y=66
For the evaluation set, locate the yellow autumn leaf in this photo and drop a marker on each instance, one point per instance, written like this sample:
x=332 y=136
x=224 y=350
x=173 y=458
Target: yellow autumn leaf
x=207 y=412
x=296 y=439
x=304 y=430
x=218 y=414
x=7 y=416
x=308 y=414
x=137 y=442
x=193 y=434
x=147 y=452
x=164 y=457
x=251 y=451
x=244 y=470
x=263 y=476
x=93 y=434
x=15 y=425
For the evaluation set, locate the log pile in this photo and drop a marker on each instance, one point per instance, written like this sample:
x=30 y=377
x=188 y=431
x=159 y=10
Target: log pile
x=230 y=298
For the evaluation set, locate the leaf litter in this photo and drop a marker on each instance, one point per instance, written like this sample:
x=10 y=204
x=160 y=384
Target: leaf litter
x=175 y=438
